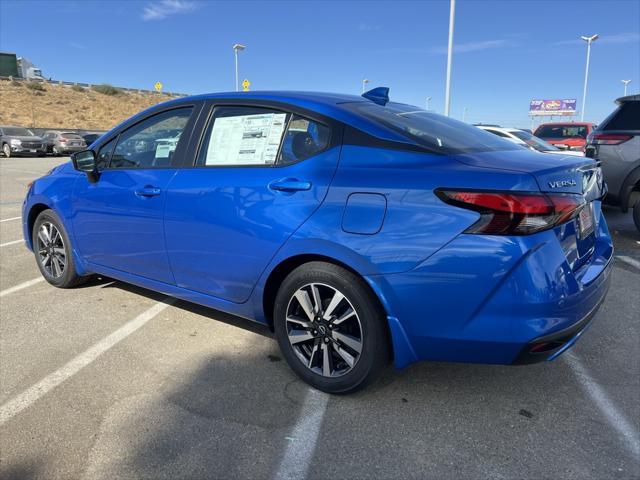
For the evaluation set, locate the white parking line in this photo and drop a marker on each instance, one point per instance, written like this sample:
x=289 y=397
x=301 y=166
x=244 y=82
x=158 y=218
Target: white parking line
x=20 y=286
x=10 y=219
x=11 y=243
x=32 y=394
x=303 y=439
x=630 y=261
x=615 y=418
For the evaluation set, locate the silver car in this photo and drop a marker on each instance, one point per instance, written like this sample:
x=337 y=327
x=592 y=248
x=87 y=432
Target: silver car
x=59 y=143
x=616 y=143
x=20 y=141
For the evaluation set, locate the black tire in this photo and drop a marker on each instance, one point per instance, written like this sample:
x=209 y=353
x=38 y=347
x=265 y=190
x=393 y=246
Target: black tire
x=636 y=215
x=367 y=325
x=50 y=269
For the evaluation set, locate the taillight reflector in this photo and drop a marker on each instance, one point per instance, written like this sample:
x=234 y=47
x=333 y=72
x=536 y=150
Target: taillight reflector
x=609 y=138
x=509 y=213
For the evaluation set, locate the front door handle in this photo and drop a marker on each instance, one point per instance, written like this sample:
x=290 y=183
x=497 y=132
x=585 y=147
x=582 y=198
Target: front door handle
x=289 y=185
x=148 y=191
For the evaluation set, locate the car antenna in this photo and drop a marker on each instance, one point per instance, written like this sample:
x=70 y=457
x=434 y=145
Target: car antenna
x=379 y=95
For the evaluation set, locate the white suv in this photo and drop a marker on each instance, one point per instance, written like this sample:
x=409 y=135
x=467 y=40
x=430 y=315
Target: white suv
x=526 y=140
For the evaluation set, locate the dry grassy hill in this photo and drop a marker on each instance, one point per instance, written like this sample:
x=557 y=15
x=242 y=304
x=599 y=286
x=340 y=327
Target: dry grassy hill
x=59 y=106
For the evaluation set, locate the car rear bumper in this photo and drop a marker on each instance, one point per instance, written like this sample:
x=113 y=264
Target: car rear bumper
x=490 y=299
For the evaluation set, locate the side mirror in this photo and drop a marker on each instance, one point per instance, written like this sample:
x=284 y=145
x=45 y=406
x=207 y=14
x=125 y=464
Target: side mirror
x=85 y=161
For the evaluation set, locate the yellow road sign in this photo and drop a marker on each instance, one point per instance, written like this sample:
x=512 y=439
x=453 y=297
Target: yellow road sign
x=245 y=85
x=158 y=87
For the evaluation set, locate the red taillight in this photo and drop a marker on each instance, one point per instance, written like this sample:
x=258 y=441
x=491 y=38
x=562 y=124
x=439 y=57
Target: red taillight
x=507 y=213
x=609 y=138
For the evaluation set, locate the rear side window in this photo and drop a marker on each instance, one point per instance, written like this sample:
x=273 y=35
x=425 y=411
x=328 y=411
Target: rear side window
x=626 y=117
x=562 y=131
x=304 y=138
x=438 y=133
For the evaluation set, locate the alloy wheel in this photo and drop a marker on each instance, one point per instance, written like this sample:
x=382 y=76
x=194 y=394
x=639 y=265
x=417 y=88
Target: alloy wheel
x=324 y=330
x=51 y=252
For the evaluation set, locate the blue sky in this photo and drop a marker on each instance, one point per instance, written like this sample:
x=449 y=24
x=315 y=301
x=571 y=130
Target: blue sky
x=507 y=52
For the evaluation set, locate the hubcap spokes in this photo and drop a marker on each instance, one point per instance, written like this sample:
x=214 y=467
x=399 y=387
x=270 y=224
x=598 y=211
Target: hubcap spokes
x=51 y=252
x=324 y=330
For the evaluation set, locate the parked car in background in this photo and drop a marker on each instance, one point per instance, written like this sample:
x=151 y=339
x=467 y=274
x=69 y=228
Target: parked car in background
x=20 y=141
x=352 y=226
x=526 y=140
x=90 y=137
x=60 y=143
x=565 y=135
x=616 y=144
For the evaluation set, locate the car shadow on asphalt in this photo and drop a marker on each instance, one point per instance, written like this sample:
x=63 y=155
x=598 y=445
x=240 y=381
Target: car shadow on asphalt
x=217 y=315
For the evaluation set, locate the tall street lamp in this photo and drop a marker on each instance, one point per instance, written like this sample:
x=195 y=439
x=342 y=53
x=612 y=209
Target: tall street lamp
x=447 y=93
x=236 y=48
x=626 y=82
x=364 y=84
x=428 y=103
x=589 y=41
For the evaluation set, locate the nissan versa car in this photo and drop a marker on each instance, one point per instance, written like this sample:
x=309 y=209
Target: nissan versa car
x=360 y=230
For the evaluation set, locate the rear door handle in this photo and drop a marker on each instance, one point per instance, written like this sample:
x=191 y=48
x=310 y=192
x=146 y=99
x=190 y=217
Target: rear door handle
x=148 y=191
x=289 y=185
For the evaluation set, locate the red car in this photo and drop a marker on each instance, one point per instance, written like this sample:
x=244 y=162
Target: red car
x=567 y=135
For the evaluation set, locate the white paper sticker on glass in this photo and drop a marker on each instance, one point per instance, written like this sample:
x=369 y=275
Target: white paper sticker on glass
x=246 y=139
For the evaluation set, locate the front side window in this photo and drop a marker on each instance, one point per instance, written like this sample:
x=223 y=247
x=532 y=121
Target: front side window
x=242 y=136
x=102 y=160
x=152 y=142
x=437 y=133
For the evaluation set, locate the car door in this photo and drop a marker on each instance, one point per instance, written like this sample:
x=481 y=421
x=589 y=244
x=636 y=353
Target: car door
x=259 y=174
x=118 y=220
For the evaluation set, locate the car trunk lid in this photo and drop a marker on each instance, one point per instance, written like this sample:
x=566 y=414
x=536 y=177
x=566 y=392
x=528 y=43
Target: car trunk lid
x=553 y=175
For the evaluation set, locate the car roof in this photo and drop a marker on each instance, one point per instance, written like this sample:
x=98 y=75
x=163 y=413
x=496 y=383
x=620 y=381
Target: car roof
x=331 y=105
x=577 y=124
x=628 y=98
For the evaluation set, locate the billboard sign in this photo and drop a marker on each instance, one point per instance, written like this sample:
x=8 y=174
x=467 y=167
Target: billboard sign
x=565 y=106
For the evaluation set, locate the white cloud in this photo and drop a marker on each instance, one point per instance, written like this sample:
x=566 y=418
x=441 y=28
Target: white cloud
x=475 y=46
x=631 y=37
x=163 y=8
x=365 y=27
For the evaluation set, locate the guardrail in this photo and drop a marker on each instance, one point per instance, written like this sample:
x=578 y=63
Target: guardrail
x=65 y=83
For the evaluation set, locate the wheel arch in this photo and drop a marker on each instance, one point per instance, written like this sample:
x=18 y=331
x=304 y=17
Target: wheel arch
x=286 y=266
x=35 y=210
x=630 y=191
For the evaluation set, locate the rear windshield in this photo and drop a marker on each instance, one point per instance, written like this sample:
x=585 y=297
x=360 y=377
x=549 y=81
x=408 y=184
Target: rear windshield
x=626 y=117
x=17 y=132
x=562 y=131
x=437 y=133
x=70 y=135
x=534 y=142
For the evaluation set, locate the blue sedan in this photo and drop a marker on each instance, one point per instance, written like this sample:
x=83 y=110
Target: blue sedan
x=362 y=231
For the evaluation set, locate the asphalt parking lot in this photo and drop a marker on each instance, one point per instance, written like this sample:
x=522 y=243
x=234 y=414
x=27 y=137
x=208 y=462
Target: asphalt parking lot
x=112 y=381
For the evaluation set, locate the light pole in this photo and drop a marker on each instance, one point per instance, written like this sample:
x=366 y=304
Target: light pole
x=626 y=82
x=364 y=84
x=589 y=41
x=236 y=48
x=447 y=93
x=428 y=103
